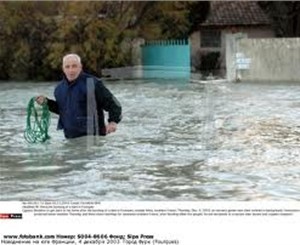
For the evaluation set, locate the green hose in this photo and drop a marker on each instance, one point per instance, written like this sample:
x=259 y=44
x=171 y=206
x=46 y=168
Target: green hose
x=37 y=123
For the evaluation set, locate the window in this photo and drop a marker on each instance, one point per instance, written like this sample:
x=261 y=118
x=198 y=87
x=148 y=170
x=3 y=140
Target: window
x=210 y=39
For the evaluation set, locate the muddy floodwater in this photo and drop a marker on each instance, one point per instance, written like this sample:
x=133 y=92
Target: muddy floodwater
x=177 y=142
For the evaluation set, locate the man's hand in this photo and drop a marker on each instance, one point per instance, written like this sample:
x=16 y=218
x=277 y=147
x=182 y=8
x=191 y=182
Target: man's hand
x=111 y=127
x=41 y=99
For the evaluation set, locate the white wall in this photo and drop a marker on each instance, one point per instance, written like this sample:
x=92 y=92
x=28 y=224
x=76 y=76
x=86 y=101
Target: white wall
x=251 y=32
x=272 y=59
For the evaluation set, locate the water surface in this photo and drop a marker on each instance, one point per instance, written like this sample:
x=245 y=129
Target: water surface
x=176 y=142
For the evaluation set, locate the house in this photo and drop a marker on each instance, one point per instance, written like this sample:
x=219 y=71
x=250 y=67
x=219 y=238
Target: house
x=225 y=17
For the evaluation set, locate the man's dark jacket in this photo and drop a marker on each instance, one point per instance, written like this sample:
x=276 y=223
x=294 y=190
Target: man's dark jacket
x=80 y=106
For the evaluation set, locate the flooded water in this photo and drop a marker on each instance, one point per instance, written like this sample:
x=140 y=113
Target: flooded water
x=177 y=142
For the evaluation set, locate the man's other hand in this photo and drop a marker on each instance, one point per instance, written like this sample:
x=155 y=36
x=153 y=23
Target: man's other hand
x=111 y=127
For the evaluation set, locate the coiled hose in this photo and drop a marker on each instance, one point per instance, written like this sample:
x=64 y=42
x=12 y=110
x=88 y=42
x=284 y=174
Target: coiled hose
x=37 y=123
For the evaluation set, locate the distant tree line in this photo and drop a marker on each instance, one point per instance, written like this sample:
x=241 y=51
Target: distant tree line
x=34 y=35
x=285 y=16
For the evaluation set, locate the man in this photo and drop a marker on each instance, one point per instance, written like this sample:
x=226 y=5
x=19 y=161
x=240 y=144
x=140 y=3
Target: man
x=80 y=101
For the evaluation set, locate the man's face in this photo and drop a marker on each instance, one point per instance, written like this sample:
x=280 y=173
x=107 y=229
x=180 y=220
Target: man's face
x=72 y=68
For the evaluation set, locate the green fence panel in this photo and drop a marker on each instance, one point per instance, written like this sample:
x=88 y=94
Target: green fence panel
x=166 y=59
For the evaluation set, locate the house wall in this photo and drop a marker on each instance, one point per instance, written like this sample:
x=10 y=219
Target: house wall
x=196 y=49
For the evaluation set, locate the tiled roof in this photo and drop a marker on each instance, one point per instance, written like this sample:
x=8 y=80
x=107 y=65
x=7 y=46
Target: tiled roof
x=235 y=13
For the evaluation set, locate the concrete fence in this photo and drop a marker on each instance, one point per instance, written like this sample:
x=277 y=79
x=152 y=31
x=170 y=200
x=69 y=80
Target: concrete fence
x=270 y=59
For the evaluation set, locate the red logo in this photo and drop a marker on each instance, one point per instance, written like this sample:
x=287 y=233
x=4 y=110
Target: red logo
x=4 y=216
x=10 y=216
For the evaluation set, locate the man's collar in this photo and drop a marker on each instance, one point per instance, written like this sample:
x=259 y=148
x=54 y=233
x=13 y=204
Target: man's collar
x=70 y=83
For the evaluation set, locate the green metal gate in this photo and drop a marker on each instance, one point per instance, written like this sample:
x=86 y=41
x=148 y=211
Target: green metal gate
x=166 y=59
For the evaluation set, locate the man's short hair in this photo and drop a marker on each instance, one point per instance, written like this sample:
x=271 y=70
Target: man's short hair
x=73 y=55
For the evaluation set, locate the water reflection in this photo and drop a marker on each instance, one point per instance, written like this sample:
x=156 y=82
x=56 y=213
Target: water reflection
x=176 y=142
